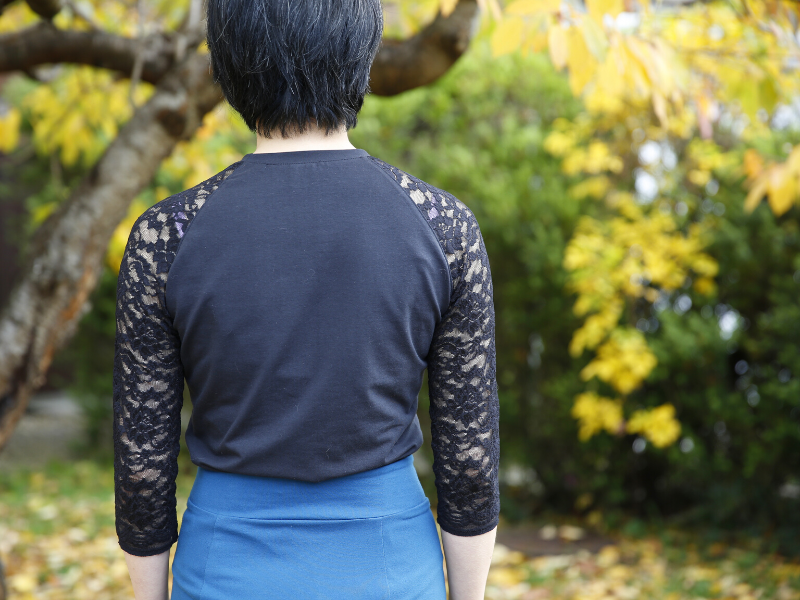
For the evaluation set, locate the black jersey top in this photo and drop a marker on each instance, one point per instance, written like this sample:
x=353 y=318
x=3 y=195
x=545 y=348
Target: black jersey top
x=301 y=295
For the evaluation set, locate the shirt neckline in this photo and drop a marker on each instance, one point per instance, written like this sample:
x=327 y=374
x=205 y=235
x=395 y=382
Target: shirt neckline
x=304 y=156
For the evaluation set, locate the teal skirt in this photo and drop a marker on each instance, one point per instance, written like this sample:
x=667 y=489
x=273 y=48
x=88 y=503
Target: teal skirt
x=369 y=535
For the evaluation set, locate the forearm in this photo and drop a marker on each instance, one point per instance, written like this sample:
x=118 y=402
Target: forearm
x=468 y=559
x=149 y=575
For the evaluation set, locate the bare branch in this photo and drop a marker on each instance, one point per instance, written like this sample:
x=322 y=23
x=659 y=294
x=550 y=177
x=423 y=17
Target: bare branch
x=405 y=64
x=43 y=43
x=191 y=29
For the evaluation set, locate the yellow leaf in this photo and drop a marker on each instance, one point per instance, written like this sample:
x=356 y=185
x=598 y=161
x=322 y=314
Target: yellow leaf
x=699 y=177
x=9 y=130
x=559 y=144
x=594 y=187
x=595 y=413
x=793 y=162
x=624 y=361
x=536 y=42
x=705 y=286
x=782 y=189
x=530 y=7
x=598 y=8
x=447 y=6
x=756 y=8
x=24 y=583
x=581 y=63
x=40 y=213
x=660 y=108
x=506 y=576
x=753 y=163
x=768 y=93
x=756 y=194
x=507 y=36
x=119 y=239
x=595 y=328
x=558 y=46
x=595 y=38
x=608 y=557
x=658 y=425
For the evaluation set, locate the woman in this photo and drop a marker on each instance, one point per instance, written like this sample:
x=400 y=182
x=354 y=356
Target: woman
x=301 y=293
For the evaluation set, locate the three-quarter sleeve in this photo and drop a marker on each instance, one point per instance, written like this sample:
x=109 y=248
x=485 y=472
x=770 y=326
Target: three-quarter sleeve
x=462 y=385
x=464 y=406
x=148 y=391
x=148 y=375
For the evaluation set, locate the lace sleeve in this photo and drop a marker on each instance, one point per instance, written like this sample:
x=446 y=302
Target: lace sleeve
x=462 y=385
x=464 y=405
x=148 y=396
x=148 y=376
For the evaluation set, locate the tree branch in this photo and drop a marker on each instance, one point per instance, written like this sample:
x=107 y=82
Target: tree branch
x=399 y=66
x=406 y=64
x=67 y=250
x=44 y=43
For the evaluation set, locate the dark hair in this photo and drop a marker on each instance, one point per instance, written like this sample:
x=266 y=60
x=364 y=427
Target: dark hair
x=284 y=63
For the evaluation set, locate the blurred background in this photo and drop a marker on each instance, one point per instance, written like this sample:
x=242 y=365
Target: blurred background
x=635 y=170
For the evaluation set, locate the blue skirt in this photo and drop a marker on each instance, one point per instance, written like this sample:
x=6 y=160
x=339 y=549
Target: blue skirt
x=369 y=535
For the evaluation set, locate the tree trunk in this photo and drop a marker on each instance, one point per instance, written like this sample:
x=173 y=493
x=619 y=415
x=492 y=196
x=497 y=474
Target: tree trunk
x=68 y=249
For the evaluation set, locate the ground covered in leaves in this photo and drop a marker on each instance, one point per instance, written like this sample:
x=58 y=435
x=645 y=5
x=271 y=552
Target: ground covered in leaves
x=57 y=541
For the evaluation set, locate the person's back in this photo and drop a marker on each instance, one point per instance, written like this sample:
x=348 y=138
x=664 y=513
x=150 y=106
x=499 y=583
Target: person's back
x=302 y=294
x=306 y=292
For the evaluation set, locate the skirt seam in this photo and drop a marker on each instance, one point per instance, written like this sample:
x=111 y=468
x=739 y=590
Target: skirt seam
x=208 y=556
x=399 y=512
x=385 y=571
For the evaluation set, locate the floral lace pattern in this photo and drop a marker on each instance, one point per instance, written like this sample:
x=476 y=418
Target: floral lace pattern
x=464 y=406
x=148 y=376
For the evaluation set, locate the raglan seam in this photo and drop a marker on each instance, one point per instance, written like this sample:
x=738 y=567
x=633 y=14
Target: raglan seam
x=235 y=166
x=439 y=242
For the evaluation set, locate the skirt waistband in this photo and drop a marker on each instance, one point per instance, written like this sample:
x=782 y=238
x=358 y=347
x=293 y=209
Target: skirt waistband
x=375 y=493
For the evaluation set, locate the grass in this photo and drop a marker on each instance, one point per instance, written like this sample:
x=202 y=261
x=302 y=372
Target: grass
x=57 y=540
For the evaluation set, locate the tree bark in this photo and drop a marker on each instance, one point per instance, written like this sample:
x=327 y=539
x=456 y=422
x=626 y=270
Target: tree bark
x=421 y=59
x=44 y=43
x=68 y=249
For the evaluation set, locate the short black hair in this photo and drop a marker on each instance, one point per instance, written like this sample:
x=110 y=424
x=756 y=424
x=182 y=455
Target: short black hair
x=285 y=63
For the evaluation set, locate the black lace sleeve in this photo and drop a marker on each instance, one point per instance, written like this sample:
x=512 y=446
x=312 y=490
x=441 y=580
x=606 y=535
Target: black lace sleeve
x=148 y=377
x=464 y=405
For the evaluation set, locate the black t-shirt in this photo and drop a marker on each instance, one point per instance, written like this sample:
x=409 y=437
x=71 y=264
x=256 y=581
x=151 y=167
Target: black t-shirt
x=301 y=295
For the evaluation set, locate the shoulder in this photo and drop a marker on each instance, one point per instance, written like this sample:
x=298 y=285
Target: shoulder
x=452 y=221
x=170 y=217
x=156 y=234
